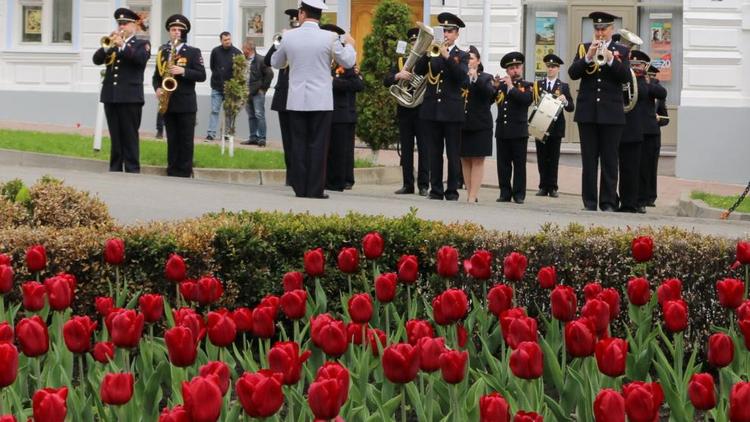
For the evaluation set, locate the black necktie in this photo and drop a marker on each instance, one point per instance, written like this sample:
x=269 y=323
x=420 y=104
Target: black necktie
x=549 y=86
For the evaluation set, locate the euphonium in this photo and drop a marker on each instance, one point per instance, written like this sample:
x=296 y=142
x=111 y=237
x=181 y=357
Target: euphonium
x=630 y=89
x=168 y=82
x=410 y=93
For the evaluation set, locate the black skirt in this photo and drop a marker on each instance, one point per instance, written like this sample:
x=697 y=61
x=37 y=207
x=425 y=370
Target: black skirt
x=476 y=143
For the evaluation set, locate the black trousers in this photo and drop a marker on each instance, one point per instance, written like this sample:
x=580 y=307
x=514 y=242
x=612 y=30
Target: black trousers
x=409 y=128
x=349 y=157
x=310 y=134
x=548 y=160
x=444 y=135
x=599 y=143
x=180 y=134
x=124 y=120
x=340 y=155
x=649 y=169
x=630 y=166
x=511 y=160
x=159 y=122
x=286 y=143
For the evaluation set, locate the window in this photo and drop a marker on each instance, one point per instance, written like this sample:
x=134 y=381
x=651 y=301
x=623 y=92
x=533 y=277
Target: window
x=168 y=8
x=46 y=21
x=62 y=21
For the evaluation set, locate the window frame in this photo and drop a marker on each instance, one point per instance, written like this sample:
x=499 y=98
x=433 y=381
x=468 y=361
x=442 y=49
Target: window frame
x=47 y=23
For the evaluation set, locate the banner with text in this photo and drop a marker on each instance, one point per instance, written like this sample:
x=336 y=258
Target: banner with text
x=661 y=48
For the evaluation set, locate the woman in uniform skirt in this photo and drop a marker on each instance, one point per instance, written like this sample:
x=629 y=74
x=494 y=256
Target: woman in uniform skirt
x=476 y=136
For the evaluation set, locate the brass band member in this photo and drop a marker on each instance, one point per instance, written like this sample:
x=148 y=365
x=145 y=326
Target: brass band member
x=442 y=111
x=125 y=58
x=184 y=63
x=514 y=96
x=600 y=112
x=653 y=120
x=476 y=136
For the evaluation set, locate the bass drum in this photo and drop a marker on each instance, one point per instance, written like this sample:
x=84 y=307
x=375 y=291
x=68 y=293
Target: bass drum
x=544 y=114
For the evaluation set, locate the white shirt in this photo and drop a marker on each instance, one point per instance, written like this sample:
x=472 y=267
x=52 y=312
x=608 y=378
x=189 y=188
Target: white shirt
x=550 y=83
x=124 y=44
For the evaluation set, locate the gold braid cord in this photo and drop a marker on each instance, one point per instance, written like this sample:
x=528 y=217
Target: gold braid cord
x=536 y=92
x=500 y=97
x=110 y=59
x=582 y=55
x=465 y=94
x=431 y=78
x=159 y=63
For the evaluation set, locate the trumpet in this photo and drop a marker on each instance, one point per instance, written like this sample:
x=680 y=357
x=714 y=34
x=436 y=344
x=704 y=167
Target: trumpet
x=277 y=40
x=108 y=41
x=600 y=58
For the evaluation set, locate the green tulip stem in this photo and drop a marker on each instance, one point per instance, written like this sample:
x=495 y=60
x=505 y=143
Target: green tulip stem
x=454 y=402
x=408 y=304
x=484 y=290
x=447 y=283
x=2 y=308
x=289 y=405
x=387 y=322
x=429 y=396
x=564 y=361
x=403 y=402
x=37 y=371
x=177 y=295
x=349 y=279
x=81 y=375
x=296 y=331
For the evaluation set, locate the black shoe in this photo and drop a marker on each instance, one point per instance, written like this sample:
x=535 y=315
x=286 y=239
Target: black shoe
x=159 y=135
x=251 y=141
x=262 y=143
x=518 y=201
x=323 y=196
x=423 y=191
x=553 y=194
x=405 y=190
x=435 y=197
x=209 y=138
x=589 y=209
x=626 y=209
x=348 y=186
x=451 y=198
x=651 y=204
x=501 y=199
x=608 y=208
x=541 y=192
x=641 y=210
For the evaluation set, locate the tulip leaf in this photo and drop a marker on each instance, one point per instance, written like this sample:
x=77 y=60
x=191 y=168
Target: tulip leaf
x=390 y=406
x=321 y=301
x=416 y=401
x=554 y=406
x=552 y=365
x=168 y=314
x=234 y=412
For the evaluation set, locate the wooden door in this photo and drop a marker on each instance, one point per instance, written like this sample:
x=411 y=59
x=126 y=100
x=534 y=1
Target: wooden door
x=362 y=14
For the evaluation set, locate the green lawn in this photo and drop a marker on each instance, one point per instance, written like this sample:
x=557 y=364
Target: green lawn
x=722 y=202
x=152 y=152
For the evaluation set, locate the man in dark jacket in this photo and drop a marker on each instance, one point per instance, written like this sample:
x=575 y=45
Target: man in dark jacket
x=259 y=78
x=221 y=71
x=655 y=116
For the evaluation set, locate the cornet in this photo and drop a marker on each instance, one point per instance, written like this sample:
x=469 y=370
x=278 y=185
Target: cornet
x=600 y=58
x=107 y=41
x=434 y=50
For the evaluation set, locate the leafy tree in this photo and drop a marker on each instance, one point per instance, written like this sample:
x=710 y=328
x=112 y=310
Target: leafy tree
x=235 y=93
x=377 y=125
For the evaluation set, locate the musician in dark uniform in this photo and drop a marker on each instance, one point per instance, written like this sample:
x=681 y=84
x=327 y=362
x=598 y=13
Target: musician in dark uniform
x=513 y=98
x=600 y=111
x=654 y=118
x=410 y=126
x=187 y=69
x=548 y=152
x=122 y=90
x=442 y=111
x=346 y=83
x=476 y=135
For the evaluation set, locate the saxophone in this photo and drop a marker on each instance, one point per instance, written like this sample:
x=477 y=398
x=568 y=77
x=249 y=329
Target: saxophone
x=168 y=82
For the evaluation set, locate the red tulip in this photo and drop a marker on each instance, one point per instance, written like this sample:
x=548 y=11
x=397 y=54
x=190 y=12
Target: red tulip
x=189 y=290
x=176 y=414
x=322 y=396
x=609 y=406
x=385 y=287
x=284 y=358
x=743 y=311
x=260 y=393
x=598 y=312
x=612 y=298
x=294 y=304
x=702 y=391
x=116 y=389
x=103 y=352
x=527 y=361
x=375 y=337
x=8 y=364
x=243 y=319
x=430 y=350
x=453 y=366
x=77 y=333
x=182 y=346
x=293 y=280
x=720 y=350
x=591 y=290
x=611 y=354
x=373 y=245
x=6 y=333
x=514 y=266
x=739 y=402
x=447 y=261
x=519 y=330
x=642 y=401
x=499 y=299
x=331 y=337
x=639 y=291
x=59 y=292
x=8 y=418
x=114 y=251
x=675 y=315
x=221 y=328
x=152 y=307
x=479 y=265
x=580 y=338
x=314 y=262
x=523 y=416
x=32 y=336
x=175 y=269
x=355 y=333
x=264 y=321
x=461 y=335
x=401 y=363
x=508 y=316
x=127 y=328
x=188 y=318
x=408 y=269
x=333 y=370
x=743 y=253
x=450 y=306
x=494 y=408
x=348 y=260
x=642 y=248
x=202 y=398
x=730 y=292
x=104 y=305
x=209 y=290
x=416 y=329
x=360 y=308
x=36 y=258
x=271 y=301
x=6 y=279
x=5 y=259
x=564 y=303
x=547 y=277
x=669 y=290
x=220 y=373
x=50 y=404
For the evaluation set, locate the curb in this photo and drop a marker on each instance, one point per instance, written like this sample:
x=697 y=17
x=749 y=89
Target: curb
x=365 y=176
x=688 y=207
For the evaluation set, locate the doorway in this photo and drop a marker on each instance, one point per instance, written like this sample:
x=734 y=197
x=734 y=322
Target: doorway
x=363 y=12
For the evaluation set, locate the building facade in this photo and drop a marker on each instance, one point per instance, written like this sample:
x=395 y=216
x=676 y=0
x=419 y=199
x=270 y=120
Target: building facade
x=702 y=47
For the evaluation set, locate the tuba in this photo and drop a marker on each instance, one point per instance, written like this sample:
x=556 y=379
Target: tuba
x=630 y=89
x=410 y=93
x=168 y=82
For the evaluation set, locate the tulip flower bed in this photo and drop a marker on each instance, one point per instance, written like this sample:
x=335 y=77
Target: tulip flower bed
x=456 y=356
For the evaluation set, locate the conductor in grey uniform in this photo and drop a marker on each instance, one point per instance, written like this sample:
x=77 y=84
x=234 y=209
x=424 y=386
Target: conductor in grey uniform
x=308 y=51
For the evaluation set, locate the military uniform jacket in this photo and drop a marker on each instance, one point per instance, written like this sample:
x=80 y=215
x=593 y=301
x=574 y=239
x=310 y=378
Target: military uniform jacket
x=656 y=92
x=661 y=110
x=388 y=81
x=480 y=95
x=559 y=88
x=443 y=101
x=600 y=98
x=635 y=120
x=513 y=110
x=183 y=98
x=278 y=102
x=123 y=77
x=346 y=84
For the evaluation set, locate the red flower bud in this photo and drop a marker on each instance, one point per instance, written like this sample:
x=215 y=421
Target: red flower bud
x=243 y=318
x=592 y=290
x=176 y=414
x=189 y=290
x=322 y=396
x=373 y=245
x=639 y=291
x=152 y=307
x=519 y=330
x=188 y=318
x=360 y=308
x=598 y=312
x=114 y=251
x=260 y=393
x=450 y=306
x=580 y=338
x=285 y=358
x=743 y=253
x=348 y=260
x=430 y=350
x=209 y=290
x=675 y=315
x=8 y=364
x=514 y=266
x=202 y=399
x=104 y=305
x=499 y=299
x=720 y=350
x=50 y=404
x=408 y=269
x=103 y=352
x=523 y=416
x=221 y=328
x=182 y=346
x=127 y=328
x=293 y=280
x=739 y=402
x=702 y=391
x=32 y=336
x=6 y=332
x=59 y=292
x=294 y=304
x=36 y=258
x=669 y=290
x=494 y=408
x=479 y=265
x=219 y=372
x=6 y=279
x=330 y=336
x=527 y=361
x=611 y=354
x=416 y=329
x=642 y=248
x=385 y=287
x=375 y=337
x=401 y=363
x=264 y=321
x=315 y=262
x=642 y=401
x=116 y=389
x=564 y=303
x=77 y=333
x=609 y=406
x=5 y=259
x=175 y=269
x=612 y=297
x=547 y=277
x=730 y=292
x=453 y=366
x=447 y=261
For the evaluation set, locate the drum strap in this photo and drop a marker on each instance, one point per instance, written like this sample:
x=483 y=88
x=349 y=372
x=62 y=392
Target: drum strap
x=536 y=92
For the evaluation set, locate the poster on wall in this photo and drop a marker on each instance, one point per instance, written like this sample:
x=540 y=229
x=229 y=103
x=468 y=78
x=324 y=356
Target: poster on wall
x=661 y=48
x=544 y=42
x=255 y=25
